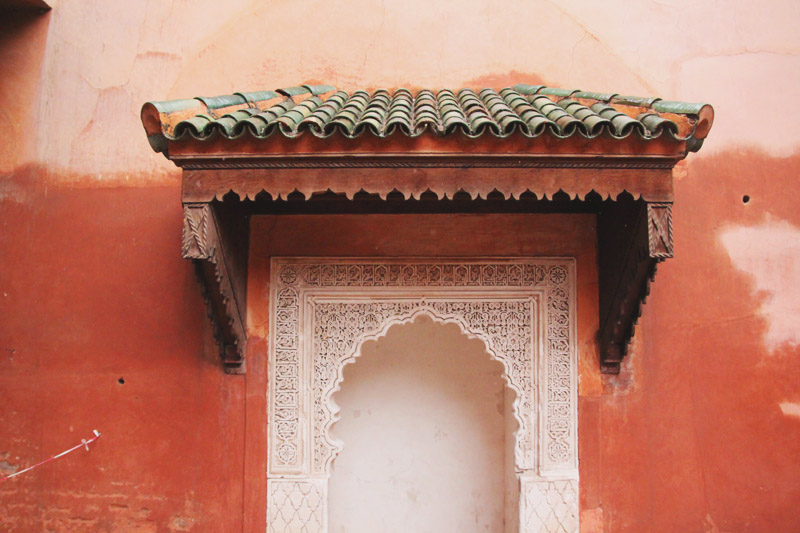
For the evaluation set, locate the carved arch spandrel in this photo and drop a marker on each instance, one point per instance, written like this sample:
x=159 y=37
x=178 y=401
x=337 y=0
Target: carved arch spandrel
x=524 y=436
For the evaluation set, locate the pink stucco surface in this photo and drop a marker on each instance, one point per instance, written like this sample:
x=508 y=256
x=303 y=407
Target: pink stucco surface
x=699 y=432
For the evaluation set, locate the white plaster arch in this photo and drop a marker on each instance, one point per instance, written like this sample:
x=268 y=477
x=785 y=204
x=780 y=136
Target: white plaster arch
x=336 y=324
x=408 y=318
x=323 y=309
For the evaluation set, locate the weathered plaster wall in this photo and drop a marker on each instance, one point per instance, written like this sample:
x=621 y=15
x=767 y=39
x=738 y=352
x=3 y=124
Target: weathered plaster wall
x=103 y=328
x=700 y=433
x=22 y=45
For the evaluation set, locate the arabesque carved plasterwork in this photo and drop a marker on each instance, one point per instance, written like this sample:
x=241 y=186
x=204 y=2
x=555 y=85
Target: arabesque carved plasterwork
x=338 y=326
x=324 y=309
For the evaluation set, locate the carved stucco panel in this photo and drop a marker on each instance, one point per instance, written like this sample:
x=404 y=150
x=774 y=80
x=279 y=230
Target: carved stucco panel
x=296 y=505
x=549 y=506
x=324 y=309
x=340 y=327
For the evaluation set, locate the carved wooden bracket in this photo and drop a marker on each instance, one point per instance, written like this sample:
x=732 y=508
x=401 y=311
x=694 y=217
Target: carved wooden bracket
x=215 y=254
x=633 y=238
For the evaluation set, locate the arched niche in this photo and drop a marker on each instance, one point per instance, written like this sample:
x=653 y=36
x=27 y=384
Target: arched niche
x=323 y=309
x=425 y=311
x=426 y=434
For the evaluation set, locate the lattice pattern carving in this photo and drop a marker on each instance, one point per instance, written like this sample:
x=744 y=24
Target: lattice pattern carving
x=549 y=506
x=296 y=506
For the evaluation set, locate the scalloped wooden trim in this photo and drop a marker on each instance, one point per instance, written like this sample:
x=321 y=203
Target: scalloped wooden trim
x=650 y=180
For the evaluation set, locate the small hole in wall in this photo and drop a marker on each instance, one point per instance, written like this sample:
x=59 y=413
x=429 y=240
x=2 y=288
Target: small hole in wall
x=121 y=381
x=745 y=198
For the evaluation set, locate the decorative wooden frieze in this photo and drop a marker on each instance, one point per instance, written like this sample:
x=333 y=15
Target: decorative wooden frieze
x=322 y=310
x=203 y=242
x=458 y=161
x=204 y=181
x=633 y=238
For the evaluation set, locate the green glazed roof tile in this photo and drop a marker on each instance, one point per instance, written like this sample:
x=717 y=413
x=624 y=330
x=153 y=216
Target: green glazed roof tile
x=524 y=88
x=218 y=102
x=258 y=95
x=552 y=91
x=588 y=95
x=172 y=106
x=317 y=90
x=294 y=91
x=683 y=108
x=528 y=110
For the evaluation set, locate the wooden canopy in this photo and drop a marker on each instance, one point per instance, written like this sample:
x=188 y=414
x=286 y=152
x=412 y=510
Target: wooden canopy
x=528 y=148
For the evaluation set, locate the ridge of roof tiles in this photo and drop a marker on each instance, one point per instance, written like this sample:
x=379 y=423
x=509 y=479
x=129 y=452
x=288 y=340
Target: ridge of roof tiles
x=322 y=111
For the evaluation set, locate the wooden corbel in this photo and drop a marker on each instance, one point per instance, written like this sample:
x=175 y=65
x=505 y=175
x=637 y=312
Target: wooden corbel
x=214 y=254
x=633 y=237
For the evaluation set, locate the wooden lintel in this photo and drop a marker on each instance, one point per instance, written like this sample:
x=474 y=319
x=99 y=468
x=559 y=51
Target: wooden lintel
x=649 y=179
x=633 y=237
x=213 y=248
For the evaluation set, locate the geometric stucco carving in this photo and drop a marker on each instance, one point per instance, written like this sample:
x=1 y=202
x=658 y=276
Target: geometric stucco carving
x=322 y=310
x=550 y=505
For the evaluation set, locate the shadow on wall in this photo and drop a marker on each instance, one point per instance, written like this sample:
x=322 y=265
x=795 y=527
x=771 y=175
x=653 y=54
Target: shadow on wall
x=23 y=36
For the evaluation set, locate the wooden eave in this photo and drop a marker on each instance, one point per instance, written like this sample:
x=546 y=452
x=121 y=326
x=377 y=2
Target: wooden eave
x=633 y=237
x=308 y=165
x=234 y=166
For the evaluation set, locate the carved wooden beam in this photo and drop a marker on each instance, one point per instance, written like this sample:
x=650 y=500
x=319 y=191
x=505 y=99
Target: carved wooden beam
x=208 y=179
x=634 y=236
x=214 y=253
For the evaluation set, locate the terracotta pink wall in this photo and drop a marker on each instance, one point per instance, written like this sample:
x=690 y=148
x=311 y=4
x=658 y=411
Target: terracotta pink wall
x=698 y=434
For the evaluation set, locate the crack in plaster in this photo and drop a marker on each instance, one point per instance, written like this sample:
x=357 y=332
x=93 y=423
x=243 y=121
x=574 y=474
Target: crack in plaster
x=603 y=45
